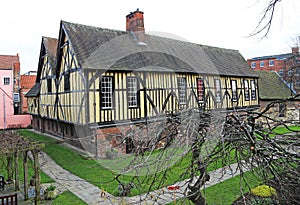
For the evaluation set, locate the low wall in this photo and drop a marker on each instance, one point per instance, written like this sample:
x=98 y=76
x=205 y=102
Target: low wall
x=16 y=121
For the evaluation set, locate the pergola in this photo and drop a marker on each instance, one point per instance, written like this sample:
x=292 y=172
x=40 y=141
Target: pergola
x=11 y=145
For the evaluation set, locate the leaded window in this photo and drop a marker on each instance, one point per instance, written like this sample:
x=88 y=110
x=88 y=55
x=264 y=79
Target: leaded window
x=218 y=93
x=200 y=89
x=106 y=92
x=132 y=92
x=182 y=90
x=246 y=90
x=234 y=90
x=67 y=81
x=253 y=90
x=6 y=80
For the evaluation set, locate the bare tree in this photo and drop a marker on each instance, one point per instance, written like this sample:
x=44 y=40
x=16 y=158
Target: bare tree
x=264 y=25
x=246 y=138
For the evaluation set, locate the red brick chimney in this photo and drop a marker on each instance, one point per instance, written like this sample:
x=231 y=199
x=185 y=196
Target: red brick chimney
x=295 y=49
x=135 y=23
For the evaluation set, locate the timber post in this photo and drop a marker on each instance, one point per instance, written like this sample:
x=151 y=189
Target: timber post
x=25 y=167
x=17 y=187
x=35 y=154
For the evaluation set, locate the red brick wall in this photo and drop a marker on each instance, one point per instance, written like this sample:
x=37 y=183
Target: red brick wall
x=277 y=65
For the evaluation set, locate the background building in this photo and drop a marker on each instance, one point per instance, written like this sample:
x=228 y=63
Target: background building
x=27 y=82
x=286 y=65
x=10 y=101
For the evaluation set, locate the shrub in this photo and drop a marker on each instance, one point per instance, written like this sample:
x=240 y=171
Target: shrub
x=111 y=153
x=51 y=188
x=263 y=191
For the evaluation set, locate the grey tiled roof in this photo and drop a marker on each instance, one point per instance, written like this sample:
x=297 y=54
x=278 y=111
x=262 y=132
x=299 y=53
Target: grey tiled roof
x=271 y=87
x=278 y=57
x=51 y=48
x=34 y=91
x=98 y=48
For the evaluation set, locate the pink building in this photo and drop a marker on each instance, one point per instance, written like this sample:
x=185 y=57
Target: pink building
x=10 y=94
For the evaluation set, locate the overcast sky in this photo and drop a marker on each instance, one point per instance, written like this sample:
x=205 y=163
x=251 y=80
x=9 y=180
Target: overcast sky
x=220 y=23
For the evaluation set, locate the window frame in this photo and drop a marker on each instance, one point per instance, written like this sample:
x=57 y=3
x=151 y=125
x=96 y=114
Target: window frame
x=246 y=90
x=49 y=85
x=271 y=63
x=253 y=64
x=182 y=90
x=200 y=92
x=253 y=89
x=4 y=80
x=234 y=91
x=261 y=64
x=132 y=93
x=218 y=90
x=281 y=72
x=281 y=110
x=16 y=99
x=67 y=86
x=110 y=93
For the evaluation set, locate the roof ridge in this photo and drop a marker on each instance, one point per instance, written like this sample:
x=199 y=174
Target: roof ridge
x=151 y=35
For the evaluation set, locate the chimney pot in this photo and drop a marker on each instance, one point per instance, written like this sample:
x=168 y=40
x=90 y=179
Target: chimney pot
x=135 y=24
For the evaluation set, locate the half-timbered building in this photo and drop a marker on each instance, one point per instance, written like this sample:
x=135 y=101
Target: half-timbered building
x=104 y=78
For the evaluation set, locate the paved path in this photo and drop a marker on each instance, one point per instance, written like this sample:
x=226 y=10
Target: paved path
x=92 y=195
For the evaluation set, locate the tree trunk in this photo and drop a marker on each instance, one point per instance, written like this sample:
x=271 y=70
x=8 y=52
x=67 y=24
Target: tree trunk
x=25 y=166
x=35 y=154
x=9 y=168
x=17 y=187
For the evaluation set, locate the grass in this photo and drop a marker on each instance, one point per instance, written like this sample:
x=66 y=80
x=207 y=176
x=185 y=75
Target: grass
x=3 y=163
x=227 y=191
x=103 y=178
x=285 y=130
x=67 y=197
x=280 y=130
x=96 y=174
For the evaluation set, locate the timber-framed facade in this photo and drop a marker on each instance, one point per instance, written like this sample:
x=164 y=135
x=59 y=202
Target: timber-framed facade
x=105 y=78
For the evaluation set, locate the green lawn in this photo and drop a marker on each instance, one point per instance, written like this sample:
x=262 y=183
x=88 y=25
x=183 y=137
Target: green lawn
x=3 y=163
x=226 y=192
x=285 y=130
x=66 y=198
x=96 y=174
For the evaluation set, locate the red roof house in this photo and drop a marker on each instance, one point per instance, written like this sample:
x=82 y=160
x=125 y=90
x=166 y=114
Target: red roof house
x=27 y=82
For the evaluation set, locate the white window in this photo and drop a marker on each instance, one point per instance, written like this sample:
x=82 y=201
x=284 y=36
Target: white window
x=200 y=89
x=253 y=64
x=282 y=110
x=16 y=97
x=271 y=62
x=261 y=64
x=246 y=90
x=132 y=91
x=218 y=90
x=106 y=92
x=6 y=80
x=253 y=90
x=182 y=90
x=281 y=73
x=234 y=90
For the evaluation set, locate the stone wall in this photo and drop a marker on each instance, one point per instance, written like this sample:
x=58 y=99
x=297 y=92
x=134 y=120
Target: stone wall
x=290 y=114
